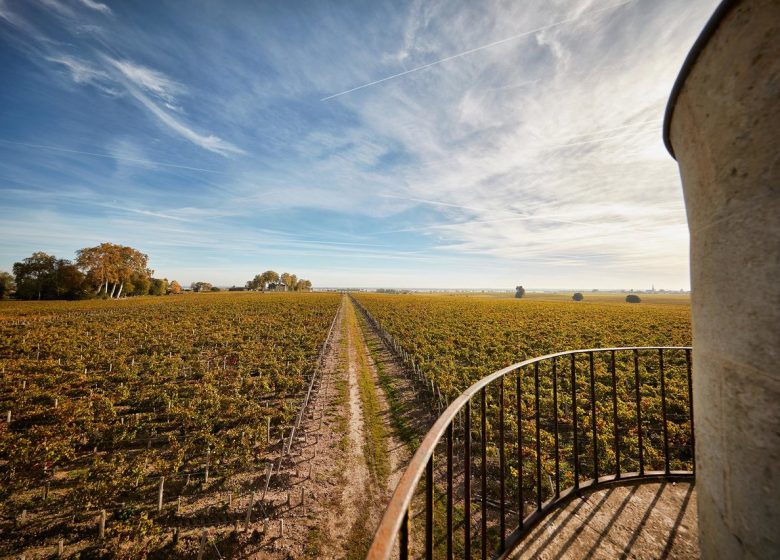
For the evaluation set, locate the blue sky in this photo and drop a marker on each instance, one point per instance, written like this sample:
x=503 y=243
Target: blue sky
x=407 y=144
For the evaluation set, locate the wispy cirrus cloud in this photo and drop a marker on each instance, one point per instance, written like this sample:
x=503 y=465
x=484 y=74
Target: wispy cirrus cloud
x=97 y=6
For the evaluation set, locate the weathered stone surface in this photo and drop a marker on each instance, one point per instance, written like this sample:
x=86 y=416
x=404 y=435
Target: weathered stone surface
x=724 y=131
x=642 y=521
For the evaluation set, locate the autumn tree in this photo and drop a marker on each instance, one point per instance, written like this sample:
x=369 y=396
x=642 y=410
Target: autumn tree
x=7 y=284
x=519 y=292
x=201 y=286
x=112 y=265
x=174 y=287
x=303 y=285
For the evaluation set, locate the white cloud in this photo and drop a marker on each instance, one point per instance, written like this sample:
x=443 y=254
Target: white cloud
x=97 y=6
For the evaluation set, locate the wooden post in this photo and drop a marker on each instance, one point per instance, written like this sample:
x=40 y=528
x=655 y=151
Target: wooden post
x=8 y=417
x=248 y=517
x=60 y=548
x=160 y=495
x=102 y=525
x=202 y=549
x=267 y=479
x=281 y=528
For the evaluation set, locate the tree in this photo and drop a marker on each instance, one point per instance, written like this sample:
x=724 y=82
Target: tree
x=174 y=287
x=34 y=275
x=7 y=284
x=43 y=276
x=159 y=287
x=519 y=292
x=112 y=265
x=578 y=296
x=200 y=286
x=303 y=285
x=632 y=298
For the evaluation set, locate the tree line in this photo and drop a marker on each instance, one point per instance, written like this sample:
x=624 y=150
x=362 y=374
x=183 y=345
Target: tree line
x=271 y=281
x=105 y=271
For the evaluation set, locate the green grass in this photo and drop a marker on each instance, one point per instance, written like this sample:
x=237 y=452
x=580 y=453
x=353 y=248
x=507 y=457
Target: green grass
x=375 y=451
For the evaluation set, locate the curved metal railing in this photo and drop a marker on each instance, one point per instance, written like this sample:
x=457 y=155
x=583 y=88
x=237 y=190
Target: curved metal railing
x=576 y=420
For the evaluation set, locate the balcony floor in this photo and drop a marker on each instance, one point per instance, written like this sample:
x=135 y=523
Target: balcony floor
x=653 y=520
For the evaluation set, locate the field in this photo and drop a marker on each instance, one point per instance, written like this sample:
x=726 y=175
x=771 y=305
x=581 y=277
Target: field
x=101 y=399
x=167 y=412
x=454 y=340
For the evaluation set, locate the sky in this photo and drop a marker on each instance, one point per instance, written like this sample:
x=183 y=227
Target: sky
x=451 y=144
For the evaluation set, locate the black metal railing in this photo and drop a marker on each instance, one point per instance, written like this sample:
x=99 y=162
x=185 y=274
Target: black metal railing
x=547 y=429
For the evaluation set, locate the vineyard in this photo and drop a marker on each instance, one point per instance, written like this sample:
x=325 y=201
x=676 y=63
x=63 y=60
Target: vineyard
x=141 y=410
x=553 y=426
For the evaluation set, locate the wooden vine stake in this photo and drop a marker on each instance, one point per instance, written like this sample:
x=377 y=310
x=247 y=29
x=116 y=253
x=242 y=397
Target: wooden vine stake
x=160 y=495
x=248 y=517
x=202 y=549
x=102 y=525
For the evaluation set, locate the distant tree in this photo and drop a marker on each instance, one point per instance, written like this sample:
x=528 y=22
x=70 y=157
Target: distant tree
x=112 y=265
x=578 y=296
x=158 y=287
x=519 y=292
x=214 y=289
x=632 y=298
x=7 y=284
x=34 y=275
x=43 y=276
x=269 y=277
x=201 y=286
x=286 y=280
x=303 y=285
x=174 y=287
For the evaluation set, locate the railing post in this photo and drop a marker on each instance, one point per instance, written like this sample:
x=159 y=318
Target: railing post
x=690 y=406
x=429 y=508
x=574 y=421
x=449 y=491
x=404 y=544
x=501 y=466
x=639 y=414
x=663 y=410
x=483 y=513
x=520 y=503
x=555 y=428
x=615 y=414
x=538 y=440
x=467 y=481
x=593 y=417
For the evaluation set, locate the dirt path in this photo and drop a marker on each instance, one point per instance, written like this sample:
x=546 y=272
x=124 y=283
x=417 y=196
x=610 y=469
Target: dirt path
x=357 y=441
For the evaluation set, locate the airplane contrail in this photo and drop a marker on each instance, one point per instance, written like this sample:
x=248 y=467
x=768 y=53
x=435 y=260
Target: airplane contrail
x=476 y=49
x=109 y=156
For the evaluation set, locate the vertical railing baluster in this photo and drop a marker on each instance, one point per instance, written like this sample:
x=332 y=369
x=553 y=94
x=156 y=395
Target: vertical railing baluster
x=593 y=417
x=449 y=491
x=429 y=509
x=690 y=406
x=538 y=440
x=574 y=421
x=501 y=466
x=615 y=415
x=483 y=469
x=404 y=544
x=555 y=428
x=663 y=409
x=520 y=508
x=639 y=414
x=467 y=482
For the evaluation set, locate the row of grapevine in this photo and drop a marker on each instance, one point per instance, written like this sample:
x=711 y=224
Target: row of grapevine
x=144 y=407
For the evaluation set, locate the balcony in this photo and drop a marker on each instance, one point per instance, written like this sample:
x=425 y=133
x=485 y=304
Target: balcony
x=583 y=453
